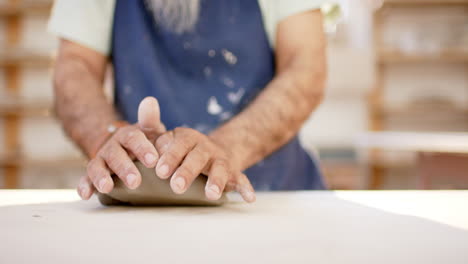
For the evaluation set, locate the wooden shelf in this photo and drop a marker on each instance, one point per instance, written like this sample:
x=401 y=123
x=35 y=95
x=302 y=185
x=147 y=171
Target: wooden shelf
x=387 y=110
x=25 y=109
x=424 y=2
x=25 y=7
x=382 y=117
x=390 y=164
x=22 y=57
x=11 y=161
x=12 y=58
x=449 y=56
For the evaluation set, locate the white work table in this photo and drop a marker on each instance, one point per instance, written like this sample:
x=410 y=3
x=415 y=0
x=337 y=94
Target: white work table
x=53 y=226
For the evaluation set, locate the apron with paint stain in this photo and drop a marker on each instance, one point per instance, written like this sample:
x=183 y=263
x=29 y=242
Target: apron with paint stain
x=204 y=77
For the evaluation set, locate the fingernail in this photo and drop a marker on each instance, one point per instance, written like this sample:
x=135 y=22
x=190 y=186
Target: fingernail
x=150 y=159
x=102 y=184
x=179 y=185
x=163 y=171
x=213 y=192
x=131 y=181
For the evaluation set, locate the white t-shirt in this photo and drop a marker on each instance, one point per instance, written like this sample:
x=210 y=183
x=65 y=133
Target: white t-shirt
x=89 y=22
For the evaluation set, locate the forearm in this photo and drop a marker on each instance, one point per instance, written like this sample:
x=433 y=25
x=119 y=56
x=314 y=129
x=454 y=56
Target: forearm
x=80 y=103
x=274 y=117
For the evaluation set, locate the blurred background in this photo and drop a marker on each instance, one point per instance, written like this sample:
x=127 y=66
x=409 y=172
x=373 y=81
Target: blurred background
x=395 y=115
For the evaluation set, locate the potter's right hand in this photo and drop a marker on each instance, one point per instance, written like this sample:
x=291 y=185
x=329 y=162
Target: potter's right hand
x=116 y=155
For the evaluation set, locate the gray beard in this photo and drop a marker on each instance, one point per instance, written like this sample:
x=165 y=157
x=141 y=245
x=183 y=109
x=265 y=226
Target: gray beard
x=178 y=16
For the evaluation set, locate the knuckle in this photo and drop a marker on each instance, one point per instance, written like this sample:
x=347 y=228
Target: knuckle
x=244 y=181
x=112 y=161
x=102 y=151
x=199 y=155
x=221 y=168
x=123 y=131
x=107 y=149
x=240 y=178
x=171 y=157
x=139 y=148
x=185 y=131
x=163 y=139
x=92 y=164
x=185 y=172
x=122 y=169
x=109 y=155
x=117 y=165
x=206 y=146
x=221 y=163
x=90 y=167
x=180 y=130
x=182 y=145
x=129 y=138
x=94 y=170
x=177 y=149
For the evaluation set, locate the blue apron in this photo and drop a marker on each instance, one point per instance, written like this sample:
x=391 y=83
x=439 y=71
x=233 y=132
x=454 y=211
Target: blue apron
x=204 y=77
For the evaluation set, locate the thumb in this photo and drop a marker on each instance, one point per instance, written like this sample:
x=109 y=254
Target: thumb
x=149 y=118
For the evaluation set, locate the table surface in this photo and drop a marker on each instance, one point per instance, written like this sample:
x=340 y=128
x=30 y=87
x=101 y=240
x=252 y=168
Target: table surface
x=53 y=226
x=456 y=142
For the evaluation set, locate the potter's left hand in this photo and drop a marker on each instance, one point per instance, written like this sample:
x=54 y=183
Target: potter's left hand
x=186 y=153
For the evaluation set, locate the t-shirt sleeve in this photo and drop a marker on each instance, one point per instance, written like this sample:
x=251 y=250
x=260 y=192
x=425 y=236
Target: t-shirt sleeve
x=291 y=7
x=273 y=11
x=86 y=22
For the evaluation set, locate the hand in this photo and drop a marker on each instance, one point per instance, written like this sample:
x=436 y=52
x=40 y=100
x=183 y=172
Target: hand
x=117 y=153
x=185 y=153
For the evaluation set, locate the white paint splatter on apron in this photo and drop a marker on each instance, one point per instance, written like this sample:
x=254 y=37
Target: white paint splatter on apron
x=207 y=71
x=228 y=82
x=225 y=116
x=211 y=53
x=213 y=107
x=236 y=97
x=127 y=89
x=187 y=45
x=229 y=57
x=202 y=128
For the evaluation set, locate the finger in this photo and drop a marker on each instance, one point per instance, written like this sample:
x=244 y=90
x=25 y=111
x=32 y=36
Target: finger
x=244 y=187
x=163 y=141
x=149 y=118
x=85 y=188
x=136 y=142
x=120 y=163
x=99 y=175
x=176 y=151
x=217 y=179
x=195 y=161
